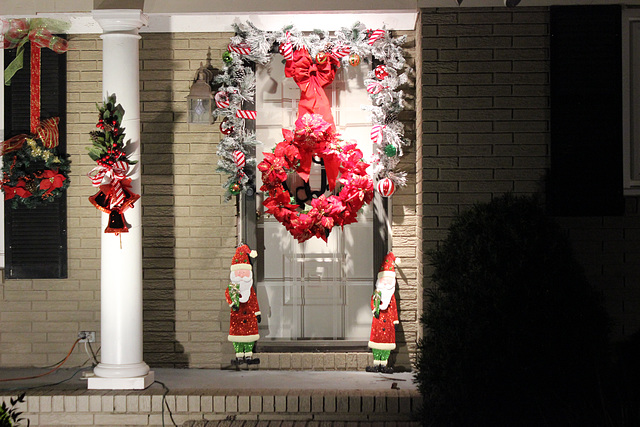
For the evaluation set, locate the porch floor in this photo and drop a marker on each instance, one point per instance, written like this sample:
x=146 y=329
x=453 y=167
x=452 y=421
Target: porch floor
x=211 y=397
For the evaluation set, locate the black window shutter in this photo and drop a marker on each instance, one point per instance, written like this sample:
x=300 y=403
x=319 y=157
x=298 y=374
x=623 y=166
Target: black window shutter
x=36 y=239
x=586 y=111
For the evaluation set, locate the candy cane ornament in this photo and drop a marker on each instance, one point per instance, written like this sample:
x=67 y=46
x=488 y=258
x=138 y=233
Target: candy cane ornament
x=376 y=134
x=286 y=48
x=340 y=51
x=239 y=159
x=222 y=99
x=376 y=35
x=246 y=114
x=374 y=88
x=242 y=49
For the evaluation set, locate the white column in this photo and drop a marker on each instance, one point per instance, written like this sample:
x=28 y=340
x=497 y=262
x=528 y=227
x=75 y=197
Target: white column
x=122 y=366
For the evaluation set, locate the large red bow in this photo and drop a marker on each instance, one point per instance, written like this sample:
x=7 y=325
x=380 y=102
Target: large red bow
x=111 y=179
x=312 y=77
x=19 y=31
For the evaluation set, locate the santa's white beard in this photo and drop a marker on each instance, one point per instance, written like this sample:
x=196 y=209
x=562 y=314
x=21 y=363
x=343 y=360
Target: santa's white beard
x=245 y=286
x=385 y=298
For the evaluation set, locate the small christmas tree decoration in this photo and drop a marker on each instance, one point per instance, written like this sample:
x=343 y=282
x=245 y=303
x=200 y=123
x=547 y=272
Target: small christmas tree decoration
x=239 y=158
x=386 y=187
x=354 y=59
x=227 y=58
x=114 y=194
x=381 y=72
x=321 y=57
x=390 y=150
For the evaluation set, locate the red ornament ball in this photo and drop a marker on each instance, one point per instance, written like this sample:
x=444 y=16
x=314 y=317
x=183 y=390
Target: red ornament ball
x=225 y=127
x=381 y=72
x=322 y=57
x=239 y=159
x=354 y=59
x=386 y=187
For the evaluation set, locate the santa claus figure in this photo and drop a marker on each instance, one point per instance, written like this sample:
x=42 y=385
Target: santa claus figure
x=385 y=317
x=245 y=313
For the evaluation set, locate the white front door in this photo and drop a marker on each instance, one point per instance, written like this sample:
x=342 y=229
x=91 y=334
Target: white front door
x=313 y=290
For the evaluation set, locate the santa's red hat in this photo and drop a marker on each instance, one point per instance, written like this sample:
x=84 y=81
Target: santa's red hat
x=240 y=260
x=387 y=269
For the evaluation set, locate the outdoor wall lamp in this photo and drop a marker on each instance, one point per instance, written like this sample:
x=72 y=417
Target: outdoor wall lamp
x=200 y=98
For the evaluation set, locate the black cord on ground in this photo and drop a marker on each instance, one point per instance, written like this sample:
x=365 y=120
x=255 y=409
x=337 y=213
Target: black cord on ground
x=164 y=402
x=46 y=385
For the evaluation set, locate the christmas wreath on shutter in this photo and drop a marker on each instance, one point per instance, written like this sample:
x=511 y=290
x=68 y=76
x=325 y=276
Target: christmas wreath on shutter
x=33 y=172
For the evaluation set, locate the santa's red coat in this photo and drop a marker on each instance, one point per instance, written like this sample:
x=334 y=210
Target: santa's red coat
x=383 y=331
x=243 y=324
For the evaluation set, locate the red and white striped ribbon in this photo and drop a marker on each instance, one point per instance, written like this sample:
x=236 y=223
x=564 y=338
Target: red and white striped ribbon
x=107 y=175
x=374 y=87
x=386 y=187
x=340 y=51
x=239 y=158
x=222 y=99
x=375 y=36
x=242 y=49
x=246 y=114
x=376 y=134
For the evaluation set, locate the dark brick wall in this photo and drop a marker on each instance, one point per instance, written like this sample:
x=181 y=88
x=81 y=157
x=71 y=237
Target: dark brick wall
x=485 y=112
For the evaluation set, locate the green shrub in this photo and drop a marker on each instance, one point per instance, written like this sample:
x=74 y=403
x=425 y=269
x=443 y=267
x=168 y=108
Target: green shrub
x=515 y=336
x=9 y=415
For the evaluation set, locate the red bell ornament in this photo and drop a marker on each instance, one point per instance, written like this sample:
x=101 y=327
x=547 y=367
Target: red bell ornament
x=386 y=187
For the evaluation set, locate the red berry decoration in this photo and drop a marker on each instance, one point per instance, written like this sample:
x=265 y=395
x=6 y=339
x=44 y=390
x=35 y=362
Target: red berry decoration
x=381 y=72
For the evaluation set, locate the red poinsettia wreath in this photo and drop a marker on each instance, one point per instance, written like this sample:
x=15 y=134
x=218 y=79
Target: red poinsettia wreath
x=345 y=167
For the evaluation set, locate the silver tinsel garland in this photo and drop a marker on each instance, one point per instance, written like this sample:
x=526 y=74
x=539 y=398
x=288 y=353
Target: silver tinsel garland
x=238 y=82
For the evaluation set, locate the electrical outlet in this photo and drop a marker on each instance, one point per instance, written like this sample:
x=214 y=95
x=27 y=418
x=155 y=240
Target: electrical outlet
x=87 y=336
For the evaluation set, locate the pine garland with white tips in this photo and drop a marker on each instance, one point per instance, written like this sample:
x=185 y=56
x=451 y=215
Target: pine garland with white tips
x=238 y=82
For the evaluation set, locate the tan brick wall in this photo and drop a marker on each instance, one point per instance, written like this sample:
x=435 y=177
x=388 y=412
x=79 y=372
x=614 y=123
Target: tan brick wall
x=40 y=319
x=189 y=233
x=405 y=227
